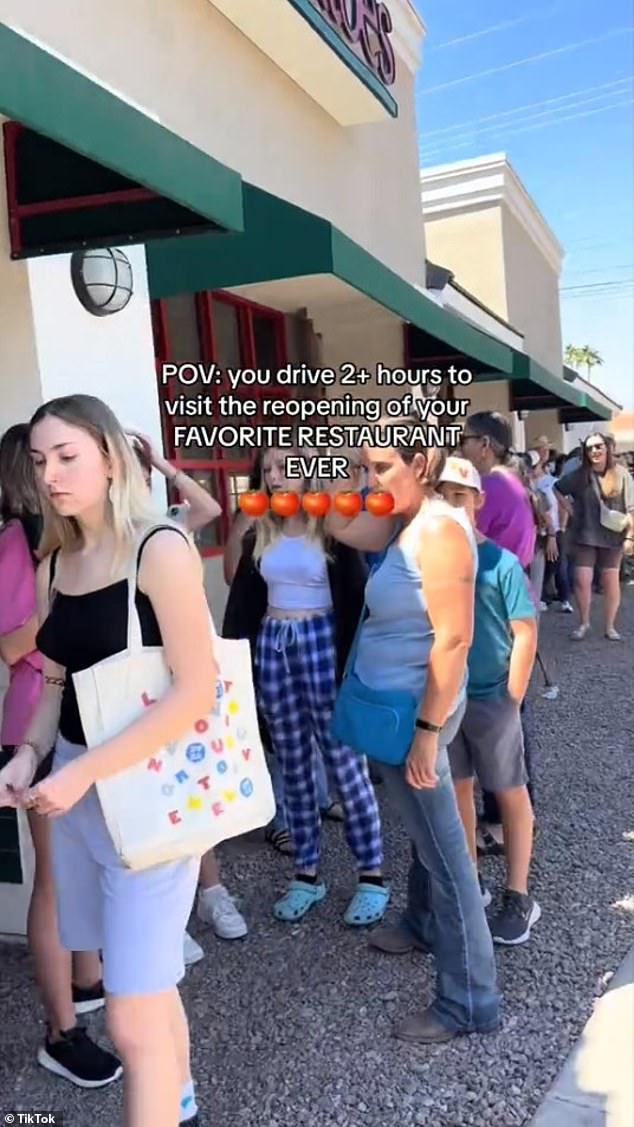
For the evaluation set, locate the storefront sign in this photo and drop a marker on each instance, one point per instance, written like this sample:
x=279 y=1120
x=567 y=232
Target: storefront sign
x=366 y=25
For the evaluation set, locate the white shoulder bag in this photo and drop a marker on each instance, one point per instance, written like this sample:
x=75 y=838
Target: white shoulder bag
x=611 y=519
x=207 y=786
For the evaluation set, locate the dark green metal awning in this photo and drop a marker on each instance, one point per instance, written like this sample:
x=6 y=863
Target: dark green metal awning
x=47 y=95
x=280 y=241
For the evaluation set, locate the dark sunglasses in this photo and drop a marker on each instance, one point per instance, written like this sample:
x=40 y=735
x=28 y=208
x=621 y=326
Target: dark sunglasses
x=596 y=446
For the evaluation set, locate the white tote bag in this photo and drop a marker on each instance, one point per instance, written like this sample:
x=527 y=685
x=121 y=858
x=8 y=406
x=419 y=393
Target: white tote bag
x=210 y=785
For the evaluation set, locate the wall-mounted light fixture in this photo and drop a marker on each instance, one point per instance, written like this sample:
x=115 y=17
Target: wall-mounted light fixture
x=102 y=280
x=523 y=415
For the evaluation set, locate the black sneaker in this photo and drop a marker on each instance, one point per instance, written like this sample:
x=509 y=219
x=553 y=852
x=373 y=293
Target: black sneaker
x=78 y=1059
x=88 y=998
x=512 y=925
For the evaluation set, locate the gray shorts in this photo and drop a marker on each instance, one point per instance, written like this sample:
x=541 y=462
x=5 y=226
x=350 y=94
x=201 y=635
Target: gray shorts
x=490 y=745
x=136 y=919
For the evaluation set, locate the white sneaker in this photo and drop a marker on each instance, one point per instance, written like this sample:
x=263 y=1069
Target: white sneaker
x=543 y=606
x=567 y=608
x=216 y=907
x=192 y=952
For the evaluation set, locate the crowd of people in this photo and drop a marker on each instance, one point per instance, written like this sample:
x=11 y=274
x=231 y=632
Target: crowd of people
x=389 y=651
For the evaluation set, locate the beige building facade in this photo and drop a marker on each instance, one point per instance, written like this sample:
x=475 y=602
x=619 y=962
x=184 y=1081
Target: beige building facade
x=482 y=224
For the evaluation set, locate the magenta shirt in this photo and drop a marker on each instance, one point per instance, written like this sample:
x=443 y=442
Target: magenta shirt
x=506 y=516
x=18 y=604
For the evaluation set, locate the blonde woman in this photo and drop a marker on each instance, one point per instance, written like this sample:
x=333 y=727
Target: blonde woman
x=95 y=510
x=299 y=601
x=414 y=642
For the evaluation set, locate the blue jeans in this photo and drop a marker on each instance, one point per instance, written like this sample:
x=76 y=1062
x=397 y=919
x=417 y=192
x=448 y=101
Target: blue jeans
x=444 y=903
x=557 y=574
x=280 y=821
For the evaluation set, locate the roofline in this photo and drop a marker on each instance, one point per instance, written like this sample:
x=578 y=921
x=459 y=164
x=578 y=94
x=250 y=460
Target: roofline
x=482 y=182
x=480 y=304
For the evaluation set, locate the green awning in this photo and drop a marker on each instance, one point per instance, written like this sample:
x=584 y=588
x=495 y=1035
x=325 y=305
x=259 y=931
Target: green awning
x=280 y=241
x=47 y=95
x=590 y=410
x=535 y=388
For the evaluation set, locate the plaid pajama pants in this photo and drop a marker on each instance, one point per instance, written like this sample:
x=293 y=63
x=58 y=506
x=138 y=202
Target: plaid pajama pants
x=295 y=671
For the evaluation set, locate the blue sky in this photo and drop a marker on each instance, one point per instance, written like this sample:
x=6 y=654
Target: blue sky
x=566 y=122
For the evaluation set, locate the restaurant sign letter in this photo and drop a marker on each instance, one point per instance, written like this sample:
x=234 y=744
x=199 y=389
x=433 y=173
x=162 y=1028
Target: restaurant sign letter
x=367 y=26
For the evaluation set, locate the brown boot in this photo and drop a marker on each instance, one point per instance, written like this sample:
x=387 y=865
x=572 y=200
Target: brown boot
x=396 y=939
x=423 y=1028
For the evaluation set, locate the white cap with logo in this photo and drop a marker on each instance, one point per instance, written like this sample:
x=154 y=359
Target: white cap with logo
x=460 y=471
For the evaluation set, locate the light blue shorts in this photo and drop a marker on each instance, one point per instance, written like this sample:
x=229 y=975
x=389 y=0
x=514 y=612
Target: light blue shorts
x=136 y=919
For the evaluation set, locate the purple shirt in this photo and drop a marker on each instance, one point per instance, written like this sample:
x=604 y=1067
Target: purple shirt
x=17 y=606
x=506 y=517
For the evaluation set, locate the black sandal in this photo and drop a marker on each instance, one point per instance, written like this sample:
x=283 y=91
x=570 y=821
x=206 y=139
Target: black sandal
x=281 y=841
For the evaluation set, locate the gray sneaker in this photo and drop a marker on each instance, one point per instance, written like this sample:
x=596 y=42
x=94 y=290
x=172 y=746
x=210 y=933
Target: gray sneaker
x=396 y=939
x=512 y=925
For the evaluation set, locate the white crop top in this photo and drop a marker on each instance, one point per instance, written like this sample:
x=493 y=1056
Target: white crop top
x=296 y=574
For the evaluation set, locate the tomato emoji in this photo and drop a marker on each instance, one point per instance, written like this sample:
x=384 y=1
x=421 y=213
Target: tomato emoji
x=316 y=504
x=254 y=503
x=285 y=504
x=348 y=504
x=379 y=503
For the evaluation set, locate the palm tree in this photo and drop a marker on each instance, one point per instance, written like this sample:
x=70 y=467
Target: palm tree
x=575 y=357
x=572 y=355
x=591 y=358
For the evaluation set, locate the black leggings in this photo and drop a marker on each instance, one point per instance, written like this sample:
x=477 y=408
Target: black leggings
x=490 y=808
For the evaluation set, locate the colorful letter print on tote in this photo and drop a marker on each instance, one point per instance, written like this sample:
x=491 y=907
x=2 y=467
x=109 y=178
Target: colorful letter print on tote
x=191 y=794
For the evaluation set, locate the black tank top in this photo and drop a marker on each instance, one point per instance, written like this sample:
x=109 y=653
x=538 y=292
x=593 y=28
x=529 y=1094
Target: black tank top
x=82 y=630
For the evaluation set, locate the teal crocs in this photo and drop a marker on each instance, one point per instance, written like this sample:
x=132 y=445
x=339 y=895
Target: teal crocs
x=299 y=899
x=367 y=905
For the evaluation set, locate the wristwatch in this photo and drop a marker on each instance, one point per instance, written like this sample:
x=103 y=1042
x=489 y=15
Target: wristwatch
x=425 y=726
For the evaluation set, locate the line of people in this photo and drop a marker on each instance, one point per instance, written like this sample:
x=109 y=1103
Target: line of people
x=430 y=610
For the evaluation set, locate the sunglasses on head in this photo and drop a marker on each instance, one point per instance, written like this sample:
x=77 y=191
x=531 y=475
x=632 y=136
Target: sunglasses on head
x=595 y=446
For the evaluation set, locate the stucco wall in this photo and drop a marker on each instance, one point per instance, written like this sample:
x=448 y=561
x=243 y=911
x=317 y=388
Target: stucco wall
x=112 y=357
x=541 y=424
x=204 y=79
x=532 y=295
x=470 y=244
x=494 y=257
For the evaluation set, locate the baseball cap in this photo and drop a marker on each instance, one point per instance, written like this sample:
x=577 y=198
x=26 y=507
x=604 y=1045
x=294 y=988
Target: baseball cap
x=534 y=458
x=460 y=471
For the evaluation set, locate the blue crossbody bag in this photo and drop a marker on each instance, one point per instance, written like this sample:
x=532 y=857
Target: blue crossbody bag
x=376 y=723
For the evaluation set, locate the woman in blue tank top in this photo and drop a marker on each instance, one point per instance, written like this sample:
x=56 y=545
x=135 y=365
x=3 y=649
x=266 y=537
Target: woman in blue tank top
x=415 y=639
